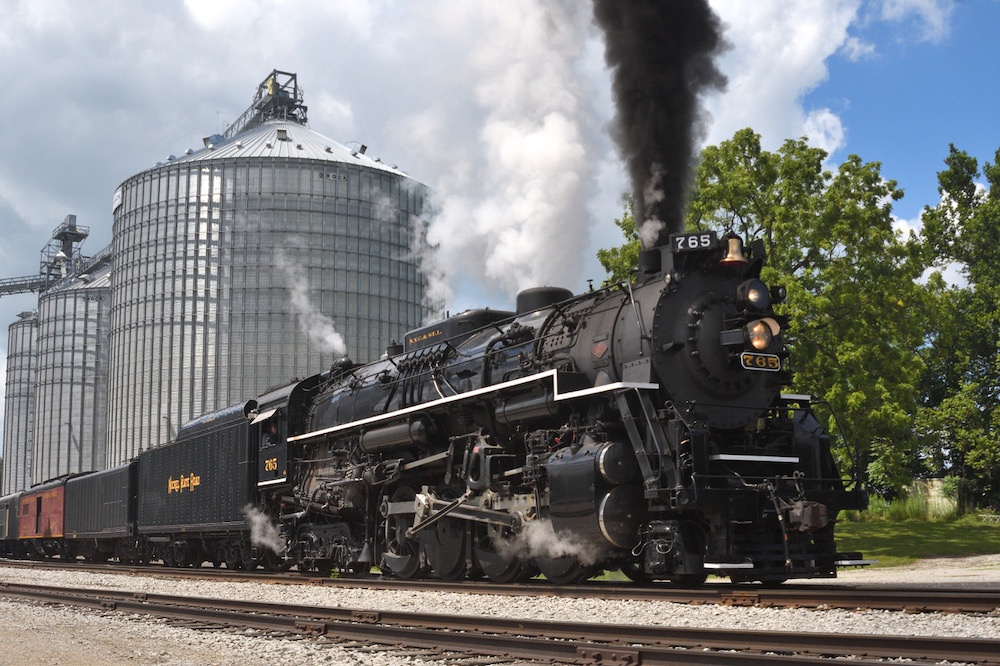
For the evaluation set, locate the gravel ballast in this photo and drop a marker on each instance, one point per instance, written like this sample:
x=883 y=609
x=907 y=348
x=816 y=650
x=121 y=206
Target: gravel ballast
x=41 y=634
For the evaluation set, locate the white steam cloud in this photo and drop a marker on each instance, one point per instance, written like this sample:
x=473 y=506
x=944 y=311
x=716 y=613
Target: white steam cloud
x=509 y=207
x=318 y=328
x=438 y=293
x=262 y=530
x=538 y=538
x=652 y=193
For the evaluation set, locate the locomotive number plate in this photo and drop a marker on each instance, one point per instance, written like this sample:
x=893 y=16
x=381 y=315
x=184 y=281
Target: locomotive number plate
x=765 y=362
x=702 y=240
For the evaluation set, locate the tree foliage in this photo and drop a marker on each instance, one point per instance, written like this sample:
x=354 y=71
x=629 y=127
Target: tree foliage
x=959 y=422
x=618 y=261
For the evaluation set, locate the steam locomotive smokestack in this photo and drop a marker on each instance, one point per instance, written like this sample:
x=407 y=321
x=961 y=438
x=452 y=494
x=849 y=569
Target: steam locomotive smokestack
x=660 y=52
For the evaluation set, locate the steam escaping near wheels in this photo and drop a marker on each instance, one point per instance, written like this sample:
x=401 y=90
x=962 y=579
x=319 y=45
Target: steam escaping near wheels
x=262 y=530
x=538 y=539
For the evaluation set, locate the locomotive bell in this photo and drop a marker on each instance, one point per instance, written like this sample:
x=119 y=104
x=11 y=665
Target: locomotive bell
x=734 y=252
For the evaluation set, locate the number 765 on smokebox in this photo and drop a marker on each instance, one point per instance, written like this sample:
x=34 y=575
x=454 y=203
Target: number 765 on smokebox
x=702 y=240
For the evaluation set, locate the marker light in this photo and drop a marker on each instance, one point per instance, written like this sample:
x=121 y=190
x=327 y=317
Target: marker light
x=753 y=295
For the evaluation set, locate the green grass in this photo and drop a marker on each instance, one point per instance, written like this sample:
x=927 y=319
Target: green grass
x=895 y=543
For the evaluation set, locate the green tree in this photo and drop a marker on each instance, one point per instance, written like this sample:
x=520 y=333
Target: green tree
x=857 y=313
x=619 y=261
x=959 y=423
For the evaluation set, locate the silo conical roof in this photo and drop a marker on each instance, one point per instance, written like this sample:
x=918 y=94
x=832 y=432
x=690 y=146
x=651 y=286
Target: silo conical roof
x=285 y=139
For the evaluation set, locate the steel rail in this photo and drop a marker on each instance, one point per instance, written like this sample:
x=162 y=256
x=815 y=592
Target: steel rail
x=534 y=639
x=911 y=599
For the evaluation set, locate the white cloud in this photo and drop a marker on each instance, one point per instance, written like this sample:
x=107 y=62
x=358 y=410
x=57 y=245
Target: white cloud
x=335 y=115
x=823 y=129
x=210 y=13
x=904 y=227
x=933 y=15
x=855 y=49
x=779 y=53
x=284 y=19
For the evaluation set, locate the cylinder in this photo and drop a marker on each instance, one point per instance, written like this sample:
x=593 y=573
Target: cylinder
x=515 y=411
x=619 y=514
x=395 y=436
x=616 y=463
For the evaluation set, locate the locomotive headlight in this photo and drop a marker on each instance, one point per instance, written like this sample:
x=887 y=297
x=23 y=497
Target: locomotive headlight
x=761 y=332
x=753 y=295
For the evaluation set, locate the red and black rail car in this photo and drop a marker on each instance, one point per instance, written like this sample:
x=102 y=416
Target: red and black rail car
x=41 y=516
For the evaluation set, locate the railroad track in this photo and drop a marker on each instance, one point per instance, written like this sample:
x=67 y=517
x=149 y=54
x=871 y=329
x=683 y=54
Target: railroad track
x=839 y=596
x=612 y=644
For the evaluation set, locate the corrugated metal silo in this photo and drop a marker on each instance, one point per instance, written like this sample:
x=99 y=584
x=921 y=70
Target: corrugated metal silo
x=19 y=407
x=226 y=256
x=71 y=377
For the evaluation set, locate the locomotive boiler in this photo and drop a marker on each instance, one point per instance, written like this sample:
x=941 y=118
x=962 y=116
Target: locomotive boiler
x=640 y=427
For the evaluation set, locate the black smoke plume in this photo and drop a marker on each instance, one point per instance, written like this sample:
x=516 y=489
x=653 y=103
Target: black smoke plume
x=661 y=55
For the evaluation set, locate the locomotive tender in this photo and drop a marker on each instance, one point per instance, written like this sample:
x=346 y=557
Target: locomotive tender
x=640 y=426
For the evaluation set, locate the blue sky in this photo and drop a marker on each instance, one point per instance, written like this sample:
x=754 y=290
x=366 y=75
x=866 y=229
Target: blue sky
x=919 y=92
x=501 y=108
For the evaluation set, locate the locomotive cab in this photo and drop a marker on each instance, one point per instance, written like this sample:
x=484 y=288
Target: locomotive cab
x=272 y=458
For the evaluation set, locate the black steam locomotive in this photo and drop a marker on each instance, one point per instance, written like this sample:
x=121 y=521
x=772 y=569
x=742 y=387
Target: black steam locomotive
x=639 y=427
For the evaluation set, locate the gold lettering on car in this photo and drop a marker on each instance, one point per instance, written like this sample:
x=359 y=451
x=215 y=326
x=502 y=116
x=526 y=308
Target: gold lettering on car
x=425 y=336
x=179 y=485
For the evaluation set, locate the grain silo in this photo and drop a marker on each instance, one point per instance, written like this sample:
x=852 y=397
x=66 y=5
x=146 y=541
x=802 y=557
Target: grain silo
x=54 y=393
x=71 y=376
x=232 y=261
x=19 y=403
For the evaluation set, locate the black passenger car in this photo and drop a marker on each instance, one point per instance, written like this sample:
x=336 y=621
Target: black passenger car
x=100 y=514
x=8 y=525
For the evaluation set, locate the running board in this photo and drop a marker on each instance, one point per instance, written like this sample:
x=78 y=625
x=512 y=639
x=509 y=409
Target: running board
x=854 y=563
x=746 y=564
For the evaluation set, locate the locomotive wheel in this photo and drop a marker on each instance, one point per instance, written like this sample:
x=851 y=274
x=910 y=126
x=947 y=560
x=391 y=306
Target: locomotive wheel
x=773 y=582
x=500 y=565
x=402 y=554
x=274 y=562
x=324 y=567
x=246 y=559
x=360 y=569
x=445 y=549
x=688 y=581
x=634 y=571
x=565 y=570
x=190 y=556
x=248 y=562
